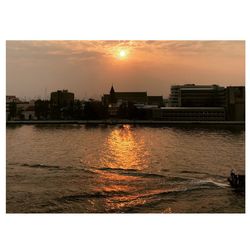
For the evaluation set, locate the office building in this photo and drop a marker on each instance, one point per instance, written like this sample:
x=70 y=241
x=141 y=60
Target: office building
x=189 y=114
x=235 y=103
x=191 y=95
x=61 y=98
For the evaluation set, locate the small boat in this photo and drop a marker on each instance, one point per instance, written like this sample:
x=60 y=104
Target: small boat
x=237 y=181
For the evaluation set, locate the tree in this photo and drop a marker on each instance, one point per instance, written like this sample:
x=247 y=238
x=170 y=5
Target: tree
x=128 y=111
x=42 y=109
x=78 y=110
x=13 y=110
x=95 y=110
x=20 y=114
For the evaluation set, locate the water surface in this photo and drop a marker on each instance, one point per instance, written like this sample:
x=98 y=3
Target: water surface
x=78 y=168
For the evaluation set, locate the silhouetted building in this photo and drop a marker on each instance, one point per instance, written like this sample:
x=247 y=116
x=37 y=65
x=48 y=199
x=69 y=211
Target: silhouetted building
x=19 y=110
x=155 y=100
x=114 y=100
x=29 y=113
x=130 y=97
x=61 y=98
x=189 y=114
x=118 y=102
x=174 y=95
x=121 y=97
x=191 y=95
x=112 y=96
x=236 y=103
x=11 y=98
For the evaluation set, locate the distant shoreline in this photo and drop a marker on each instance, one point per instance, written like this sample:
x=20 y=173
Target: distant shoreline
x=121 y=121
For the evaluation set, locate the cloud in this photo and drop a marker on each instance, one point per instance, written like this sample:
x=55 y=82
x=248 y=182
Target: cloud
x=50 y=50
x=90 y=50
x=91 y=65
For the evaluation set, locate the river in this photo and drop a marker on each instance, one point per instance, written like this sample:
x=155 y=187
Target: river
x=122 y=169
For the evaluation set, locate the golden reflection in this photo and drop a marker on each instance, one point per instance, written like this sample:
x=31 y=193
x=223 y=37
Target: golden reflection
x=123 y=156
x=124 y=150
x=108 y=176
x=118 y=188
x=118 y=203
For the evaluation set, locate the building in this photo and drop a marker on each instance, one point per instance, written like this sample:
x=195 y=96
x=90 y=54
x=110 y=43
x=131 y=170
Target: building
x=235 y=96
x=155 y=100
x=121 y=97
x=11 y=101
x=174 y=96
x=11 y=98
x=11 y=106
x=19 y=110
x=61 y=98
x=191 y=95
x=114 y=100
x=189 y=114
x=232 y=99
x=29 y=113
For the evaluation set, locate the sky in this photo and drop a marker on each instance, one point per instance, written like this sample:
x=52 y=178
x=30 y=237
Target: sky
x=89 y=68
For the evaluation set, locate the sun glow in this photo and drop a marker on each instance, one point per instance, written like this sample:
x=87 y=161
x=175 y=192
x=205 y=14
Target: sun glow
x=122 y=53
x=127 y=152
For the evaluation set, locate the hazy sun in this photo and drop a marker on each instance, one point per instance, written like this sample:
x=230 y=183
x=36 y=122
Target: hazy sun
x=122 y=53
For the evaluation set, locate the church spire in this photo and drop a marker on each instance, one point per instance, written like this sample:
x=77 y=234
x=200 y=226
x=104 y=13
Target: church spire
x=112 y=95
x=112 y=91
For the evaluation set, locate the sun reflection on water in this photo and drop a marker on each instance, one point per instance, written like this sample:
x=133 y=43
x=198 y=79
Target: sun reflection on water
x=123 y=164
x=124 y=150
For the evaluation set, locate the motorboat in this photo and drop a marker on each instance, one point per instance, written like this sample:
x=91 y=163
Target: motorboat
x=237 y=181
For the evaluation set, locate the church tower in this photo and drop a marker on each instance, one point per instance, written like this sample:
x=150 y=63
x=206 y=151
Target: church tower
x=112 y=95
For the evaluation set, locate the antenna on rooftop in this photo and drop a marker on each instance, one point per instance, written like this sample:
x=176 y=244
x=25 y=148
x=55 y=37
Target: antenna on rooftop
x=45 y=93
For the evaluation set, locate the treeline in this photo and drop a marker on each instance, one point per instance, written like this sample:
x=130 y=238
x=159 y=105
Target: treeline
x=77 y=110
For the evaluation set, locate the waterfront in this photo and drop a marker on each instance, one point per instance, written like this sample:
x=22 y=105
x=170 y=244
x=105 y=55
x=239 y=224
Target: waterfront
x=122 y=168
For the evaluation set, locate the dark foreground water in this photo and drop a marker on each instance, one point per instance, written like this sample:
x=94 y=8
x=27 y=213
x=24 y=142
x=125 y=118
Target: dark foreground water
x=75 y=168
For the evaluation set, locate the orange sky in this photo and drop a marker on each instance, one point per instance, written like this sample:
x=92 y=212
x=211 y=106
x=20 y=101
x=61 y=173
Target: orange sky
x=88 y=68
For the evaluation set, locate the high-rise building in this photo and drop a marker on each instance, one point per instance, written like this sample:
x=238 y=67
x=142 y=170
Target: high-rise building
x=235 y=103
x=189 y=114
x=191 y=95
x=61 y=98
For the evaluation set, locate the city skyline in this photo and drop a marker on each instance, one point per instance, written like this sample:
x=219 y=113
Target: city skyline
x=89 y=68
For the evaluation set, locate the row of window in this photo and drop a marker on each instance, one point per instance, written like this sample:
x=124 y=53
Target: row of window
x=196 y=115
x=205 y=118
x=184 y=115
x=170 y=112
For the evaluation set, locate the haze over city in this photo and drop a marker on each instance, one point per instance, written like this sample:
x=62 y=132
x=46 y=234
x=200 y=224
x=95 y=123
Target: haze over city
x=88 y=68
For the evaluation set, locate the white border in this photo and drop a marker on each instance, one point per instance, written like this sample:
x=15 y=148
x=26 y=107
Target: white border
x=163 y=20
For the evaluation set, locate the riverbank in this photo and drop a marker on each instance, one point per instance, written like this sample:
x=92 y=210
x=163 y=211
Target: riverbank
x=121 y=121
